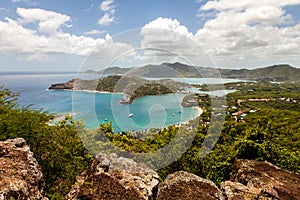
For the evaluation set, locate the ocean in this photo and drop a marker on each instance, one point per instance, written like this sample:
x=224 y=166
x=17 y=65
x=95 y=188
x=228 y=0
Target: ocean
x=96 y=108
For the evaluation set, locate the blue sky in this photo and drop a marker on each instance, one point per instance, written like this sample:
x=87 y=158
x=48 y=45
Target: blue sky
x=50 y=35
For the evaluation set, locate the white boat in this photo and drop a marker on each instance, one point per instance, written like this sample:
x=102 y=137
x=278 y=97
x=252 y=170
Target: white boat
x=130 y=115
x=105 y=119
x=173 y=114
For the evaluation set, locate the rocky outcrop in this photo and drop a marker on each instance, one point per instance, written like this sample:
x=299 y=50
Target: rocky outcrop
x=20 y=174
x=261 y=180
x=186 y=186
x=75 y=84
x=112 y=177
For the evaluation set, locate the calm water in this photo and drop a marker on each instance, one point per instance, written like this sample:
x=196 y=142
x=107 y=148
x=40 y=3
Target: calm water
x=95 y=108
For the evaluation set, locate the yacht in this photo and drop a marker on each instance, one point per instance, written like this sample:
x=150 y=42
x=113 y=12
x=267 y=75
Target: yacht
x=130 y=115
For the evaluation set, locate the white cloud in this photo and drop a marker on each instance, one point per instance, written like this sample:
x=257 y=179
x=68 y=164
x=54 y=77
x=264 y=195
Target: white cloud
x=235 y=35
x=241 y=5
x=94 y=32
x=164 y=33
x=106 y=19
x=167 y=24
x=24 y=1
x=167 y=39
x=249 y=30
x=48 y=21
x=48 y=38
x=107 y=5
x=109 y=9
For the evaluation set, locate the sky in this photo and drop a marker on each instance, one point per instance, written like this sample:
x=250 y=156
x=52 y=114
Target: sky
x=68 y=35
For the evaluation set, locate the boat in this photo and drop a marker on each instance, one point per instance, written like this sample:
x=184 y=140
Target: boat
x=173 y=114
x=105 y=119
x=130 y=115
x=179 y=111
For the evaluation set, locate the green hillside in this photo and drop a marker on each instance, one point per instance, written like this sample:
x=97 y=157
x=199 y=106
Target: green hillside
x=280 y=73
x=277 y=73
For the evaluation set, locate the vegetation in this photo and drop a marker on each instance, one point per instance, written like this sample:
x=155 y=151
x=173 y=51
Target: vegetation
x=271 y=132
x=150 y=89
x=132 y=87
x=277 y=73
x=58 y=149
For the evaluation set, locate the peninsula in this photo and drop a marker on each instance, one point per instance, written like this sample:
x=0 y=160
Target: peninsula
x=131 y=87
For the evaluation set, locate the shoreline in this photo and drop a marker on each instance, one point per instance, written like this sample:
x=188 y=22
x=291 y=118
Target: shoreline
x=59 y=117
x=87 y=91
x=199 y=113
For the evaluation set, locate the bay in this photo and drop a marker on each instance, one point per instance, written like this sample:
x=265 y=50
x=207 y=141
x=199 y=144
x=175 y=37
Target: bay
x=95 y=108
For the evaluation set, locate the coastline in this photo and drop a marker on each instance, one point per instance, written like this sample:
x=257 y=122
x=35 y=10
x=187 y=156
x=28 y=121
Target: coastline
x=59 y=117
x=88 y=91
x=199 y=113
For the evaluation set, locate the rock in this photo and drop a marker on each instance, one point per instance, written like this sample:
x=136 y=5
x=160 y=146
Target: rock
x=261 y=180
x=112 y=177
x=20 y=175
x=75 y=84
x=238 y=191
x=63 y=86
x=186 y=186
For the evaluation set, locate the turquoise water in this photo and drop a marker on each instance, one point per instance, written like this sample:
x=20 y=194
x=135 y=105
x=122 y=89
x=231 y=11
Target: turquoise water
x=148 y=112
x=94 y=108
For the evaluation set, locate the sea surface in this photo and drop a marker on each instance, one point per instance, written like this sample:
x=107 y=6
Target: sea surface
x=95 y=108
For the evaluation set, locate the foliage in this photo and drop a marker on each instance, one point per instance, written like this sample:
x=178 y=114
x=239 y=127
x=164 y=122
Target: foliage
x=58 y=149
x=272 y=134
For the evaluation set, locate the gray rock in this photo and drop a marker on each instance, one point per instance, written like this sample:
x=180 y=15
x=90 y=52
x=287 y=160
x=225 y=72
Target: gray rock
x=20 y=175
x=112 y=177
x=261 y=180
x=186 y=186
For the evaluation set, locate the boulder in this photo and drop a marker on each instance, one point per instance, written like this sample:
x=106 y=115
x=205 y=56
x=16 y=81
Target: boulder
x=112 y=177
x=186 y=186
x=261 y=180
x=20 y=175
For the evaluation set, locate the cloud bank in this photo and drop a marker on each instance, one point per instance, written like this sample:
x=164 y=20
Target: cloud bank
x=235 y=33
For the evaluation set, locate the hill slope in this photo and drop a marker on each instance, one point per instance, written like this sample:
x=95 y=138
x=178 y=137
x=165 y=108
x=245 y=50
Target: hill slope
x=279 y=73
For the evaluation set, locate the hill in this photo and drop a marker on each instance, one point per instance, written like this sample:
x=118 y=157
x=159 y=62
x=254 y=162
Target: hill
x=109 y=71
x=277 y=73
